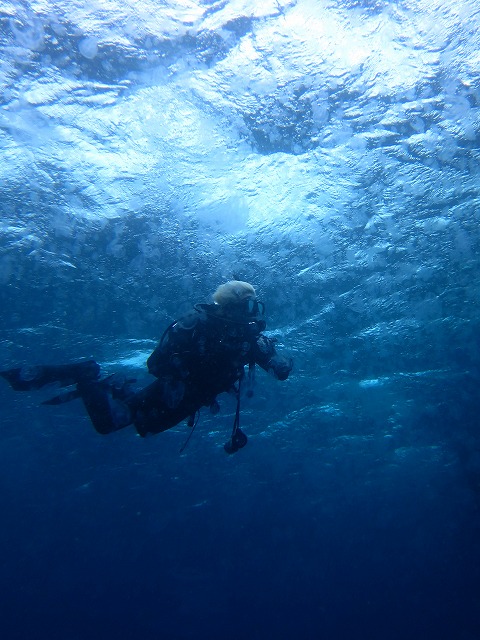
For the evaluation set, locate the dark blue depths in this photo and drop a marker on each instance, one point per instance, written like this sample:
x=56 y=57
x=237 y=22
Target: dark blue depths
x=299 y=535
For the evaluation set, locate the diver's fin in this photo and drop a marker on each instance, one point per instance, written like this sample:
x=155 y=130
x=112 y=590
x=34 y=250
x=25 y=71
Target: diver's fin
x=68 y=396
x=12 y=377
x=24 y=378
x=35 y=377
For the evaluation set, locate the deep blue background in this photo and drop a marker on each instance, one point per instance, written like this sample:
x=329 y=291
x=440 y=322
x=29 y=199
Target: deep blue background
x=107 y=537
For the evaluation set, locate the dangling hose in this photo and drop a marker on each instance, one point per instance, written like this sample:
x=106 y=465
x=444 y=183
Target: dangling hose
x=195 y=417
x=238 y=439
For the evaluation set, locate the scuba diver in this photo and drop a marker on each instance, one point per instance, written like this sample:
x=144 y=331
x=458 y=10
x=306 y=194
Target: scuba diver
x=199 y=356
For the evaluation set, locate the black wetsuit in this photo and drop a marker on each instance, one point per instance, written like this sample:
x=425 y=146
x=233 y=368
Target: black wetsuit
x=199 y=356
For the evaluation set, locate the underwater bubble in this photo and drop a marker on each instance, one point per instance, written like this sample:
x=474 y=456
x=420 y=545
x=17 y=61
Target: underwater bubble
x=88 y=47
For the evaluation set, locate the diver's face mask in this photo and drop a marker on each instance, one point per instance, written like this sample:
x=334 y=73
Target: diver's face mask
x=253 y=308
x=250 y=311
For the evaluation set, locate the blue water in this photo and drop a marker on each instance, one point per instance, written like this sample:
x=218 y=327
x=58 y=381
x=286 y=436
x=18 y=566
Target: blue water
x=327 y=152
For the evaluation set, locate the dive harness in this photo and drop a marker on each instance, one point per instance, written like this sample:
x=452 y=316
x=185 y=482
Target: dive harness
x=256 y=324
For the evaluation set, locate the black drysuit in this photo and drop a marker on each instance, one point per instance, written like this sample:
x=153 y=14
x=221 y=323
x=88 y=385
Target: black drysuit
x=199 y=356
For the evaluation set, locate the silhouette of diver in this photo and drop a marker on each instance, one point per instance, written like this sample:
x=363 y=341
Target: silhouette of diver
x=199 y=356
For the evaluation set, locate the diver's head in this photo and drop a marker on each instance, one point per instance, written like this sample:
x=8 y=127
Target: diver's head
x=238 y=300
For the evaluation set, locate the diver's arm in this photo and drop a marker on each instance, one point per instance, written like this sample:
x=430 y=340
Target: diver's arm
x=267 y=358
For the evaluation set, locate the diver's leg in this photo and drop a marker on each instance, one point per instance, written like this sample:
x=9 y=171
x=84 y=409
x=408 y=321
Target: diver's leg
x=107 y=404
x=35 y=377
x=105 y=400
x=161 y=406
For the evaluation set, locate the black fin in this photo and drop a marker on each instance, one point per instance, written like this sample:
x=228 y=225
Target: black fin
x=68 y=396
x=35 y=377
